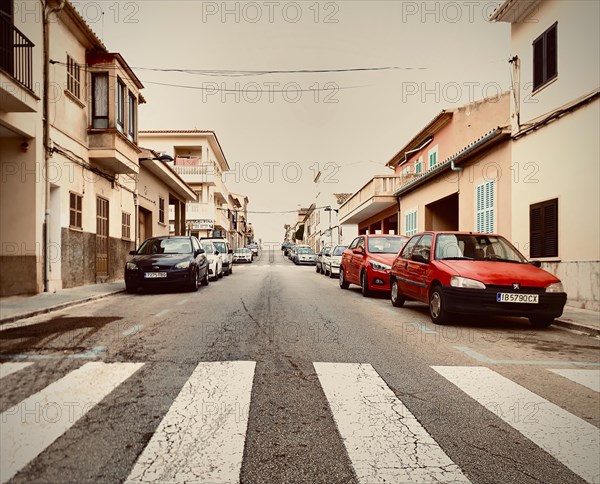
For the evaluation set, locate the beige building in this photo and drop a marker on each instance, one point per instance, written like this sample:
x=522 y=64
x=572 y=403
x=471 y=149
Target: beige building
x=69 y=190
x=200 y=161
x=555 y=57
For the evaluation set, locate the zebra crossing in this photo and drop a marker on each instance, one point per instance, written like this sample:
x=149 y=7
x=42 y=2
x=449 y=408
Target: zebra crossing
x=201 y=437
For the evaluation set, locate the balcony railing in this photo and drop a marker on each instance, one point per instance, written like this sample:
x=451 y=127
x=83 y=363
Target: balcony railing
x=16 y=52
x=378 y=186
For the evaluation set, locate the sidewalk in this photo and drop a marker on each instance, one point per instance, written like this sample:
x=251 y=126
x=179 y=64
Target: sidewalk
x=20 y=307
x=14 y=308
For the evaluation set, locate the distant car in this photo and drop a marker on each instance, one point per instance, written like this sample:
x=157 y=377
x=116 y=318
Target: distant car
x=325 y=252
x=215 y=259
x=167 y=261
x=253 y=246
x=222 y=245
x=331 y=264
x=473 y=273
x=242 y=255
x=288 y=249
x=367 y=260
x=294 y=252
x=305 y=255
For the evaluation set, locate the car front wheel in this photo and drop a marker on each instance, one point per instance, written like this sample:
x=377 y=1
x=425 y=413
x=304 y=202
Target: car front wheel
x=343 y=283
x=205 y=280
x=364 y=285
x=195 y=282
x=130 y=288
x=437 y=307
x=395 y=296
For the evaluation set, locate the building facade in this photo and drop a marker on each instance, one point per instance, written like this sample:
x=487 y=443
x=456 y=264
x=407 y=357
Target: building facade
x=555 y=57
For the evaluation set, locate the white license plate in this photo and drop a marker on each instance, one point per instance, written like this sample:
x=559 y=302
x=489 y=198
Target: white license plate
x=517 y=298
x=155 y=275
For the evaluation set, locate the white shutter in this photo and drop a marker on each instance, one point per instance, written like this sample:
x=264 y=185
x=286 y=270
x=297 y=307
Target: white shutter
x=485 y=202
x=410 y=223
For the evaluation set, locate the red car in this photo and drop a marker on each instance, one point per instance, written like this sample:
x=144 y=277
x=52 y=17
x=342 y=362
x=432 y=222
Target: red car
x=367 y=261
x=473 y=273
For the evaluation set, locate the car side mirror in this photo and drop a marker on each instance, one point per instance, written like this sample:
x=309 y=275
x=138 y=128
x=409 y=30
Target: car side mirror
x=358 y=250
x=216 y=252
x=132 y=252
x=198 y=252
x=230 y=251
x=535 y=263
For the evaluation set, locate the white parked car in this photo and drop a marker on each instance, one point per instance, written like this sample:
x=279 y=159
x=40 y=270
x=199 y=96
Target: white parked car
x=242 y=255
x=215 y=260
x=222 y=245
x=331 y=264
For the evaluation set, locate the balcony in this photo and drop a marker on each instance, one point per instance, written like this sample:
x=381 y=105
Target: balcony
x=374 y=197
x=16 y=72
x=113 y=151
x=203 y=173
x=221 y=220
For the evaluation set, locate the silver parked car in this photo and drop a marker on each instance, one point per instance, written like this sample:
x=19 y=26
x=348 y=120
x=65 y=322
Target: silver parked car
x=325 y=252
x=331 y=264
x=305 y=255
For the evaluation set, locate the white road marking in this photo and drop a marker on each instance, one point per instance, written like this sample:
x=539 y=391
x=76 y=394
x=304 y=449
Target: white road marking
x=587 y=378
x=183 y=301
x=133 y=330
x=29 y=427
x=385 y=442
x=162 y=313
x=201 y=439
x=8 y=368
x=566 y=437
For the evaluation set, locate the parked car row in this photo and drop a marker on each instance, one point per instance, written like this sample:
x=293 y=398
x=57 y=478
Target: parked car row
x=454 y=273
x=182 y=261
x=329 y=260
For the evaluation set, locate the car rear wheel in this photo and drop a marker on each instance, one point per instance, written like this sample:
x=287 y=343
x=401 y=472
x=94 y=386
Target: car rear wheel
x=230 y=269
x=541 y=323
x=397 y=299
x=437 y=307
x=364 y=285
x=343 y=283
x=317 y=268
x=220 y=273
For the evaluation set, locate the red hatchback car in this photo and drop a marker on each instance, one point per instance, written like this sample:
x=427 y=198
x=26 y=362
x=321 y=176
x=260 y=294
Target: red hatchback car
x=473 y=273
x=367 y=261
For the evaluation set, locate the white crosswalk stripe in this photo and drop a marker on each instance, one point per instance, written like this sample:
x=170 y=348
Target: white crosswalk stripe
x=385 y=442
x=201 y=439
x=9 y=368
x=587 y=378
x=31 y=426
x=568 y=438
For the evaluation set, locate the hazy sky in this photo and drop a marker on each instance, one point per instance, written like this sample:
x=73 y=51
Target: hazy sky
x=347 y=124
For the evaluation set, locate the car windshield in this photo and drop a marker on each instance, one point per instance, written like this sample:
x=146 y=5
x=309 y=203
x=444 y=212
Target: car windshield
x=208 y=248
x=386 y=245
x=166 y=246
x=339 y=250
x=476 y=247
x=303 y=250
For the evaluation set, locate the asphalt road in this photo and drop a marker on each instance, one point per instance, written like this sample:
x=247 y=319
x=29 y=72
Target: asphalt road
x=276 y=375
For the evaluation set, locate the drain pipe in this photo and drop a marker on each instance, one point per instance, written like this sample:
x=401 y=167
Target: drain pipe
x=47 y=142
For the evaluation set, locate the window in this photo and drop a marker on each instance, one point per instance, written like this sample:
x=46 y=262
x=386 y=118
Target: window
x=354 y=243
x=120 y=105
x=543 y=229
x=100 y=100
x=423 y=248
x=75 y=202
x=545 y=60
x=126 y=225
x=131 y=126
x=73 y=77
x=161 y=210
x=419 y=166
x=407 y=250
x=410 y=223
x=432 y=155
x=485 y=207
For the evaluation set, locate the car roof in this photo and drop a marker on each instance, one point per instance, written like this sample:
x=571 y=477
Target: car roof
x=372 y=236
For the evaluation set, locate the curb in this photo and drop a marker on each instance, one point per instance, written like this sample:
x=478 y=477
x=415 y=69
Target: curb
x=567 y=324
x=58 y=307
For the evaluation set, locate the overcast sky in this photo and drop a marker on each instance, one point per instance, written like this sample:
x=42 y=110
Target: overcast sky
x=347 y=124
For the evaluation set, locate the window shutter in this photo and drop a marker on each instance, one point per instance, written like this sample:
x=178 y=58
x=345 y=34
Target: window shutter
x=550 y=230
x=543 y=229
x=484 y=211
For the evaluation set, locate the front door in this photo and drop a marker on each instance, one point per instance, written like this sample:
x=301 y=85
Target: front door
x=101 y=239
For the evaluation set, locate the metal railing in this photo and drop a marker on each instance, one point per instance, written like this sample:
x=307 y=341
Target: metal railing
x=377 y=186
x=16 y=53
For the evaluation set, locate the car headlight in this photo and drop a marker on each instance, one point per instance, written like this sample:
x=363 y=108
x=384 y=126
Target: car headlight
x=555 y=287
x=131 y=266
x=465 y=282
x=378 y=266
x=182 y=265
